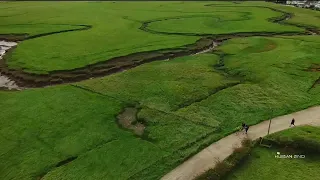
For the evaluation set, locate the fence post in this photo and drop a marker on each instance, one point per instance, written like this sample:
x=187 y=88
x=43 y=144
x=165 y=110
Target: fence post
x=269 y=126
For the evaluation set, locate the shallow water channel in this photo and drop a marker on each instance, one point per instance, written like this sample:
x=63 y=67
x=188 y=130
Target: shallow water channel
x=212 y=47
x=6 y=82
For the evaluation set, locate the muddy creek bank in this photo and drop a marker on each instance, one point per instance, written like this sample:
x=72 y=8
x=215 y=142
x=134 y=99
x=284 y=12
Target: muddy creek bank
x=5 y=82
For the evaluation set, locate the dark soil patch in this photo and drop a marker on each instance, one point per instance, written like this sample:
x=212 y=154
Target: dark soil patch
x=66 y=161
x=13 y=37
x=214 y=91
x=315 y=68
x=61 y=163
x=316 y=82
x=25 y=36
x=128 y=120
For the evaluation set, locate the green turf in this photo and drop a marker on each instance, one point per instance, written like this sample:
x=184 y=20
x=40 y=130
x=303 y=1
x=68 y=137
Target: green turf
x=224 y=20
x=36 y=29
x=65 y=122
x=118 y=159
x=164 y=85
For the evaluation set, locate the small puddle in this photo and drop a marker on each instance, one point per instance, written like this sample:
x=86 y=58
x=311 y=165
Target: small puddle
x=128 y=120
x=5 y=82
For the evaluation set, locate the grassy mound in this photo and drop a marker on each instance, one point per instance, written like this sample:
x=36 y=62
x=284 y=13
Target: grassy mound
x=262 y=163
x=306 y=138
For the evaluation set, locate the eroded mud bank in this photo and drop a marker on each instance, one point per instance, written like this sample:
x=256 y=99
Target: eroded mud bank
x=5 y=82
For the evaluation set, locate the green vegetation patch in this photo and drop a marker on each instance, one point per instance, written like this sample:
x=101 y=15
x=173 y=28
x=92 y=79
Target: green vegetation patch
x=272 y=83
x=171 y=132
x=275 y=80
x=165 y=85
x=111 y=35
x=182 y=105
x=36 y=29
x=302 y=16
x=42 y=127
x=118 y=159
x=69 y=132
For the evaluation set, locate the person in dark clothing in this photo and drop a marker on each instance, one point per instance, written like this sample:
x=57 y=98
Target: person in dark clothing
x=292 y=122
x=243 y=126
x=246 y=128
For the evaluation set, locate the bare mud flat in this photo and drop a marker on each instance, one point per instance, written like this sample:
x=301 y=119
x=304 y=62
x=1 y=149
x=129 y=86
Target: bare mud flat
x=128 y=120
x=5 y=82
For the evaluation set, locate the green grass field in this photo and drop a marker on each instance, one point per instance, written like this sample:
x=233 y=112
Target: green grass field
x=262 y=163
x=225 y=20
x=115 y=29
x=185 y=103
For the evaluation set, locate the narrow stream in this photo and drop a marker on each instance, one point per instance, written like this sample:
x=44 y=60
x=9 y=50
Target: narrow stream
x=212 y=47
x=5 y=82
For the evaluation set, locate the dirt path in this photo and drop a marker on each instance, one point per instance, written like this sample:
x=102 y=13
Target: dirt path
x=224 y=147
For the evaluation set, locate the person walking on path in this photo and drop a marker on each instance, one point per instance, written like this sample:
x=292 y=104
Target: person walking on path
x=246 y=128
x=243 y=126
x=239 y=129
x=292 y=122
